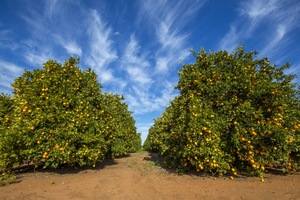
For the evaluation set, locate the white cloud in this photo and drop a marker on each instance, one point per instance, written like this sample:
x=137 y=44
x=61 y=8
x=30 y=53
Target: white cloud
x=230 y=40
x=37 y=24
x=142 y=93
x=105 y=75
x=51 y=7
x=148 y=89
x=171 y=13
x=167 y=93
x=100 y=46
x=131 y=51
x=168 y=19
x=143 y=129
x=168 y=38
x=70 y=46
x=37 y=49
x=143 y=101
x=8 y=72
x=277 y=38
x=50 y=28
x=294 y=69
x=10 y=68
x=258 y=8
x=138 y=75
x=273 y=18
x=136 y=64
x=6 y=40
x=6 y=81
x=37 y=59
x=162 y=63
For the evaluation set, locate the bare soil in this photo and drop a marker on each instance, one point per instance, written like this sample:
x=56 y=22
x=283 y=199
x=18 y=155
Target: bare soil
x=140 y=176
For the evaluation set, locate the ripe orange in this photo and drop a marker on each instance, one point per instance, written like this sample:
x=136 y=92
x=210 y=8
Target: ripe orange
x=280 y=108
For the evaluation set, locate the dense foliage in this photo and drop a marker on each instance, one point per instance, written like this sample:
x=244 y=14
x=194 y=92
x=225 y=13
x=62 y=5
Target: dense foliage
x=58 y=115
x=234 y=112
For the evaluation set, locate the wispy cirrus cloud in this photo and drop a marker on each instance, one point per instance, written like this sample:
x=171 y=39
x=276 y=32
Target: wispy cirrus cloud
x=146 y=92
x=168 y=20
x=285 y=21
x=8 y=72
x=143 y=101
x=294 y=69
x=148 y=70
x=101 y=52
x=69 y=45
x=274 y=18
x=36 y=58
x=55 y=26
x=6 y=39
x=136 y=64
x=144 y=127
x=137 y=69
x=151 y=100
x=49 y=29
x=256 y=9
x=38 y=48
x=52 y=7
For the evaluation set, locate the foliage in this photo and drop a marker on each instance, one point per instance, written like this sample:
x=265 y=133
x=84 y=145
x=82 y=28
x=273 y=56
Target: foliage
x=7 y=178
x=58 y=115
x=234 y=112
x=122 y=135
x=6 y=107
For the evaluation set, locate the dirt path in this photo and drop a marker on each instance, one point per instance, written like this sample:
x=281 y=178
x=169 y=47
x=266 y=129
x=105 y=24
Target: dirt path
x=139 y=177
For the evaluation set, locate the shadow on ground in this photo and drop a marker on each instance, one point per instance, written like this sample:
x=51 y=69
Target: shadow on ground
x=64 y=169
x=156 y=158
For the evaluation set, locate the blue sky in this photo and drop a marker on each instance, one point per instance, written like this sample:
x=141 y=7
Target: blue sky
x=136 y=46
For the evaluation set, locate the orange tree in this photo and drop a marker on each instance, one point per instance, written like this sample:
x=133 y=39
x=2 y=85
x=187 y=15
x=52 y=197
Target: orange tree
x=6 y=107
x=159 y=132
x=119 y=124
x=61 y=117
x=234 y=112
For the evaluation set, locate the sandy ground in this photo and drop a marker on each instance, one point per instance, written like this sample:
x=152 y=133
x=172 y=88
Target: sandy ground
x=139 y=176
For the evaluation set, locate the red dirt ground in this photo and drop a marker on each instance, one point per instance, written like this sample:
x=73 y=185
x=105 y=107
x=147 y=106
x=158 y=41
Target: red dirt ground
x=139 y=176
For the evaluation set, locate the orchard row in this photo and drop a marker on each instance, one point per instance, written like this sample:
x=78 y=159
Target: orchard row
x=234 y=113
x=58 y=115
